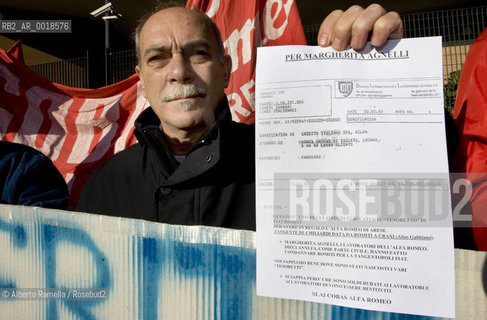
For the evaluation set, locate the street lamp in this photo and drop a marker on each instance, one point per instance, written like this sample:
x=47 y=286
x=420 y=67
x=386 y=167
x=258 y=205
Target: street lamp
x=109 y=14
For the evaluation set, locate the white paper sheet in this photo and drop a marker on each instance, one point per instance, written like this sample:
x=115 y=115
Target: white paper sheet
x=353 y=202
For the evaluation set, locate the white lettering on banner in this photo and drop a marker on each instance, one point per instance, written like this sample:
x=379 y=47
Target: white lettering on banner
x=88 y=121
x=235 y=100
x=233 y=40
x=6 y=118
x=235 y=103
x=215 y=5
x=58 y=109
x=140 y=105
x=241 y=43
x=11 y=81
x=271 y=32
x=250 y=96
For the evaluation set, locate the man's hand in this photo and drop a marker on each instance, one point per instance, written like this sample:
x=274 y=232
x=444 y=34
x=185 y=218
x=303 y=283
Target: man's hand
x=354 y=26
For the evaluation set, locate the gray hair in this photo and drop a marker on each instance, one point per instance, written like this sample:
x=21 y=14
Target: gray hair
x=167 y=5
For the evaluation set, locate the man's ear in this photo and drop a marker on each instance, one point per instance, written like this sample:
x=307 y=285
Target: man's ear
x=227 y=69
x=137 y=70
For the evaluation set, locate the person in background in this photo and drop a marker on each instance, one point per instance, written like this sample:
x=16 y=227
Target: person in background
x=470 y=115
x=29 y=178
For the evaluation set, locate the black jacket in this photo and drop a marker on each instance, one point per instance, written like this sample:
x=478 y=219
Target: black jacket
x=29 y=178
x=213 y=186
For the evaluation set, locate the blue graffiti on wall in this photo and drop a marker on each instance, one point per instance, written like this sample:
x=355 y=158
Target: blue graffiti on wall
x=232 y=268
x=18 y=239
x=52 y=236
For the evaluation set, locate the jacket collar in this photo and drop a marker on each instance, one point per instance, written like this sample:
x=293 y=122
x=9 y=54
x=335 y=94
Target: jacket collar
x=148 y=121
x=203 y=156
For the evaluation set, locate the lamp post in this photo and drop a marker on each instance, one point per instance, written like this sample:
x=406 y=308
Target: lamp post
x=107 y=42
x=109 y=14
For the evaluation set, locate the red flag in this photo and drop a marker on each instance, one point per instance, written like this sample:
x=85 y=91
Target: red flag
x=78 y=129
x=471 y=119
x=246 y=25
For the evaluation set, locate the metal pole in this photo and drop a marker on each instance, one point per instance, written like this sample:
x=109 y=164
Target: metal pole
x=107 y=43
x=88 y=66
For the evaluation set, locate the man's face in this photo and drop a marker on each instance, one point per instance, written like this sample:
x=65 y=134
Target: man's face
x=181 y=71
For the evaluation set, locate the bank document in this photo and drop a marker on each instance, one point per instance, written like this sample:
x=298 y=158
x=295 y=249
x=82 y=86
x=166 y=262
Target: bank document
x=353 y=197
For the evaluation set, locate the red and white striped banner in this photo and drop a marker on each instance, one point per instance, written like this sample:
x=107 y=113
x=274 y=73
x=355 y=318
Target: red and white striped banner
x=78 y=129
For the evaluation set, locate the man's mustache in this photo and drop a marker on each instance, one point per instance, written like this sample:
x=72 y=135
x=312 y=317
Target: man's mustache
x=182 y=91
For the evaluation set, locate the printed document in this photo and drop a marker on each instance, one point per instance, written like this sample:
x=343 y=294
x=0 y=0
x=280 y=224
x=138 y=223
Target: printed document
x=353 y=196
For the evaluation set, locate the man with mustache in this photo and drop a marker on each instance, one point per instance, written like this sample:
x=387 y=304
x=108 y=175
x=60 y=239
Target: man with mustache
x=192 y=164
